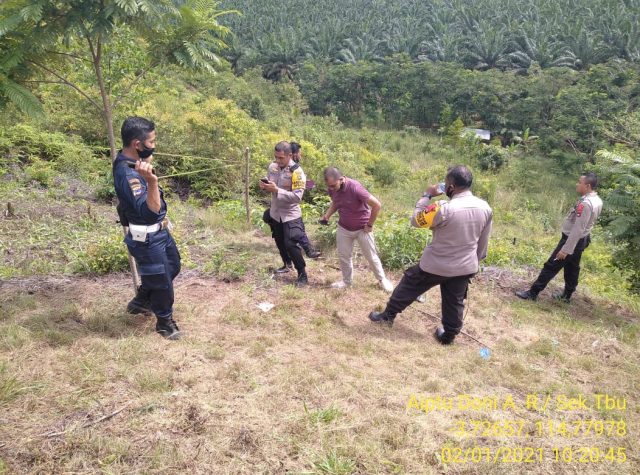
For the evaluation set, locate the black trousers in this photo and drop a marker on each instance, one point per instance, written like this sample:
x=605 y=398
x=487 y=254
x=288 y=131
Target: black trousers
x=570 y=264
x=415 y=282
x=287 y=236
x=158 y=262
x=304 y=240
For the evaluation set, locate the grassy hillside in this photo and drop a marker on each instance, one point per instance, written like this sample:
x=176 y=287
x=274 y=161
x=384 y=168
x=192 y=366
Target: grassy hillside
x=311 y=386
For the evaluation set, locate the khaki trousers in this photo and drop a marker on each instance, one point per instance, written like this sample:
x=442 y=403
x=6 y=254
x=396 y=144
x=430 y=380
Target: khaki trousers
x=345 y=240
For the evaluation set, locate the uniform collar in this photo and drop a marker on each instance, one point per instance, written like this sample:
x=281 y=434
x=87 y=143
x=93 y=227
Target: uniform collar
x=462 y=194
x=291 y=163
x=121 y=157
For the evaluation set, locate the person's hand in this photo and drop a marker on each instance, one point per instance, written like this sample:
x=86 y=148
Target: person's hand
x=270 y=187
x=561 y=256
x=145 y=170
x=368 y=228
x=433 y=190
x=324 y=221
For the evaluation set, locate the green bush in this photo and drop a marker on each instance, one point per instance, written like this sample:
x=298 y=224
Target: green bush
x=385 y=171
x=399 y=244
x=104 y=189
x=40 y=171
x=45 y=154
x=229 y=216
x=107 y=254
x=619 y=172
x=491 y=157
x=485 y=189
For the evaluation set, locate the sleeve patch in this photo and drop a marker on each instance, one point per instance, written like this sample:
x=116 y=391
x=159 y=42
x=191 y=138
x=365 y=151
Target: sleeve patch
x=136 y=186
x=424 y=219
x=297 y=183
x=579 y=209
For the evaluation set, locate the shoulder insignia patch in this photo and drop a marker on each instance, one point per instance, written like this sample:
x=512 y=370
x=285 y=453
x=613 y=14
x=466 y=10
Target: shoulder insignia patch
x=424 y=219
x=136 y=186
x=297 y=183
x=579 y=209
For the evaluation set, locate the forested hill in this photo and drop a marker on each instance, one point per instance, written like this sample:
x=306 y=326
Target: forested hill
x=482 y=34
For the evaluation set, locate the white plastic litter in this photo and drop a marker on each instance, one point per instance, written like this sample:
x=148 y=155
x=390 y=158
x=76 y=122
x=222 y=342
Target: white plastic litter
x=265 y=306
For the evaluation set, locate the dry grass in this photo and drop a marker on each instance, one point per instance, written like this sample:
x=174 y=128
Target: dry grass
x=309 y=387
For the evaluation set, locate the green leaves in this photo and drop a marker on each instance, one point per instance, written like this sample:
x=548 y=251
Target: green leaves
x=619 y=172
x=33 y=11
x=483 y=34
x=130 y=7
x=20 y=96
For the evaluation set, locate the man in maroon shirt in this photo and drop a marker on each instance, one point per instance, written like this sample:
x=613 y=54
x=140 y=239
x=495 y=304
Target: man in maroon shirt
x=358 y=210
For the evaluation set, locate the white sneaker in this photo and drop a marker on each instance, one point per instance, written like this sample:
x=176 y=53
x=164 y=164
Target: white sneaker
x=386 y=285
x=422 y=298
x=340 y=285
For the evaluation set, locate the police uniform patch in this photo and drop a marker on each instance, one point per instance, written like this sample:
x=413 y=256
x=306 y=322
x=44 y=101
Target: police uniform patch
x=424 y=219
x=579 y=209
x=136 y=186
x=297 y=183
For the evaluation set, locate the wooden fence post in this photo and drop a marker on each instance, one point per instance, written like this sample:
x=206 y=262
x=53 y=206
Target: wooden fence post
x=247 y=155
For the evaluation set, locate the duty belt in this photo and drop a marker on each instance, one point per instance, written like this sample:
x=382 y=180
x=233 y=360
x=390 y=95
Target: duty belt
x=140 y=231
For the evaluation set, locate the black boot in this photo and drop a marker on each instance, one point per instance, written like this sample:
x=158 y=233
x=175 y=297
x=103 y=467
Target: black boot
x=382 y=317
x=302 y=280
x=562 y=296
x=139 y=304
x=526 y=295
x=284 y=269
x=167 y=328
x=443 y=337
x=312 y=253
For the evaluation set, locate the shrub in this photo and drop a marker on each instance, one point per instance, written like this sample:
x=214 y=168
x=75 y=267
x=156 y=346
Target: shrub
x=108 y=254
x=41 y=172
x=384 y=171
x=399 y=244
x=485 y=189
x=45 y=154
x=491 y=157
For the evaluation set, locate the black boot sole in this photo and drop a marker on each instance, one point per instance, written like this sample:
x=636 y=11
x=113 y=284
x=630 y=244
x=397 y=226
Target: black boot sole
x=389 y=323
x=169 y=336
x=134 y=309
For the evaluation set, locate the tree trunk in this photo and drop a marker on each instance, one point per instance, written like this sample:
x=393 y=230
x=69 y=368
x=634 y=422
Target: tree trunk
x=108 y=122
x=106 y=103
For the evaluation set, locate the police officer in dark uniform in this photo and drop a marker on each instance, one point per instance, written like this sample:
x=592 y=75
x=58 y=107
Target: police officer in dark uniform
x=286 y=183
x=142 y=208
x=576 y=237
x=296 y=155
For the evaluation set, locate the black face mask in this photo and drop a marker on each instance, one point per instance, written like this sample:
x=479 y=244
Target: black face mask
x=146 y=152
x=449 y=191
